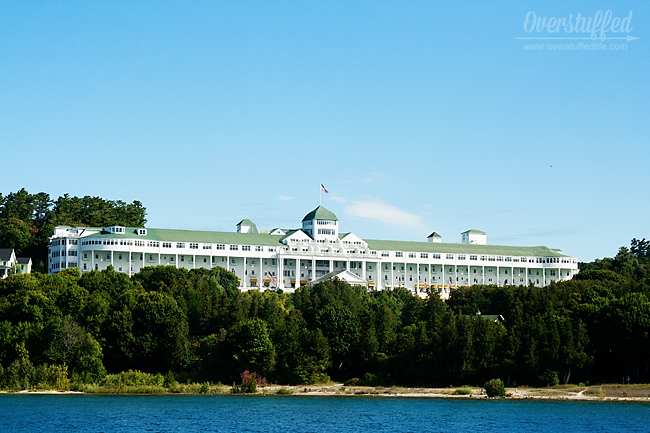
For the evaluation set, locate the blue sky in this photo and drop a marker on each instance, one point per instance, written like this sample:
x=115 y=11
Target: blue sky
x=416 y=116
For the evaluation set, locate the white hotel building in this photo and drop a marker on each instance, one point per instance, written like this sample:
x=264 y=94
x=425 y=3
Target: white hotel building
x=297 y=257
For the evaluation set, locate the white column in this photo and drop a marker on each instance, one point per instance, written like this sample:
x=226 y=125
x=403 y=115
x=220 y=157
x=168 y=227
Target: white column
x=111 y=257
x=176 y=261
x=483 y=271
x=443 y=279
x=526 y=271
x=392 y=276
x=363 y=270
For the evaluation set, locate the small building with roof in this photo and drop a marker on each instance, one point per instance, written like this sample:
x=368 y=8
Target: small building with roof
x=10 y=264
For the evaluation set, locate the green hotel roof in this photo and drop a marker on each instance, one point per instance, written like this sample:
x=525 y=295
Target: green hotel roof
x=474 y=232
x=320 y=213
x=195 y=236
x=433 y=247
x=373 y=244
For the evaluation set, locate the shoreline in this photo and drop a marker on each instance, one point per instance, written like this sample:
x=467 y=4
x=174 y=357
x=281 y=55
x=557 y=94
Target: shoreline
x=641 y=393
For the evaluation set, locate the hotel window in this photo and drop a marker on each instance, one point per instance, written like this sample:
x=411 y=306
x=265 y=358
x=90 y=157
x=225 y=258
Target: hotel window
x=182 y=258
x=424 y=255
x=258 y=248
x=450 y=257
x=194 y=246
x=399 y=254
x=180 y=244
x=167 y=244
x=472 y=257
x=411 y=255
x=207 y=246
x=436 y=256
x=221 y=247
x=461 y=257
x=119 y=257
x=384 y=254
x=234 y=247
x=245 y=247
x=108 y=256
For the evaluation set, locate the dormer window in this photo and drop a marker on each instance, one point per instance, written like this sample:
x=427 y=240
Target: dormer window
x=142 y=232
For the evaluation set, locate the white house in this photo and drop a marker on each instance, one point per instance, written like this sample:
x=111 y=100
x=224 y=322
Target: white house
x=294 y=257
x=10 y=264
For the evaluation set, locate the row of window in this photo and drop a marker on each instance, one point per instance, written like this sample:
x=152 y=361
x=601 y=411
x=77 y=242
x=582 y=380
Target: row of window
x=57 y=242
x=259 y=248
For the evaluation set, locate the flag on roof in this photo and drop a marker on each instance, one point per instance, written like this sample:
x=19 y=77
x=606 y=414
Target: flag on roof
x=322 y=188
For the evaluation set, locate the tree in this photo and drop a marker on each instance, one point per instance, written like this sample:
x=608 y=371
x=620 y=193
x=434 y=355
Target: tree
x=251 y=347
x=15 y=234
x=341 y=329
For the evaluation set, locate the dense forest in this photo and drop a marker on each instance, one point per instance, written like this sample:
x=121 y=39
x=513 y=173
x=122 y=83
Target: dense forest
x=198 y=325
x=27 y=220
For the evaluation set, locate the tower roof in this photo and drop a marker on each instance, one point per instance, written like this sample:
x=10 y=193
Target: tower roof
x=320 y=213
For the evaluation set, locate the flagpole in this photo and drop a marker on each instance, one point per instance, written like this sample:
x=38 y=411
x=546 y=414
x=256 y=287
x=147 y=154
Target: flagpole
x=320 y=194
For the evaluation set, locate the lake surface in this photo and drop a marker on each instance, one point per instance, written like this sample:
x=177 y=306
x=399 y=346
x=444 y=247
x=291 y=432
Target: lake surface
x=177 y=413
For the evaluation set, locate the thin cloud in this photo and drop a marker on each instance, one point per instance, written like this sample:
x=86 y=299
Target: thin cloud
x=338 y=199
x=374 y=177
x=382 y=212
x=282 y=197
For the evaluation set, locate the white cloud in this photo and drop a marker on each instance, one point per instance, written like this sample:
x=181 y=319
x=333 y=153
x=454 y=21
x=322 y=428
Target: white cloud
x=373 y=177
x=282 y=197
x=385 y=213
x=338 y=199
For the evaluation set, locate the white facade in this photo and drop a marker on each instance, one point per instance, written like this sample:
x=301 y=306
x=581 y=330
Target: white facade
x=297 y=257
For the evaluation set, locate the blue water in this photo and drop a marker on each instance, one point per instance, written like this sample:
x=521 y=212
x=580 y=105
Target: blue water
x=91 y=413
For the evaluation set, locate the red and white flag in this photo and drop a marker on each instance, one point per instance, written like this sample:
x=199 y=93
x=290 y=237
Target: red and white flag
x=322 y=188
x=271 y=278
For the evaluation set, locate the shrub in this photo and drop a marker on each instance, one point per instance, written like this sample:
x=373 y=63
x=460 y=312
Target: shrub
x=284 y=391
x=463 y=391
x=351 y=382
x=495 y=388
x=548 y=378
